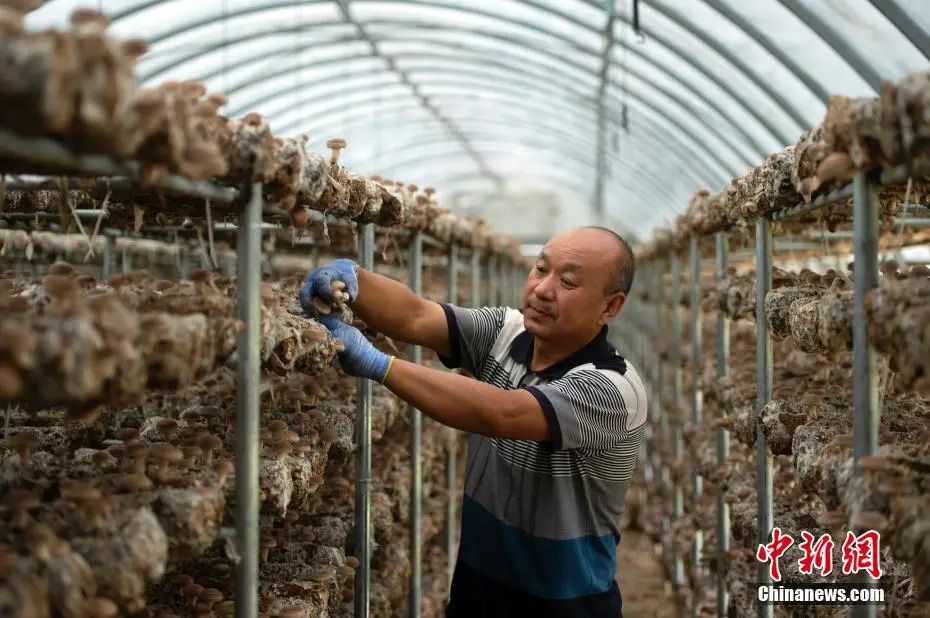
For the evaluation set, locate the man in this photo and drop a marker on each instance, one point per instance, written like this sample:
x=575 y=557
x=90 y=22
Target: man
x=555 y=415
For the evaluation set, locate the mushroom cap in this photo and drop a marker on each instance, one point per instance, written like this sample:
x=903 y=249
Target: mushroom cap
x=873 y=462
x=136 y=449
x=166 y=425
x=87 y=16
x=277 y=425
x=212 y=595
x=831 y=519
x=210 y=442
x=21 y=499
x=23 y=440
x=100 y=607
x=61 y=268
x=81 y=493
x=167 y=453
x=336 y=142
x=133 y=482
x=870 y=520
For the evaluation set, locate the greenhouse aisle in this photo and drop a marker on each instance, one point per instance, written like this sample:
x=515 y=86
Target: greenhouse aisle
x=642 y=582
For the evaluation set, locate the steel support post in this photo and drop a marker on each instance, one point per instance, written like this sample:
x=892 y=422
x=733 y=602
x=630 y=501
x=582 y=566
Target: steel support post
x=764 y=387
x=452 y=295
x=125 y=260
x=697 y=397
x=248 y=311
x=363 y=533
x=865 y=375
x=416 y=431
x=475 y=283
x=106 y=269
x=492 y=280
x=677 y=400
x=723 y=435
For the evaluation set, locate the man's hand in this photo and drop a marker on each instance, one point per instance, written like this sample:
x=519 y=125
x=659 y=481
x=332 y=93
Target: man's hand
x=359 y=358
x=319 y=282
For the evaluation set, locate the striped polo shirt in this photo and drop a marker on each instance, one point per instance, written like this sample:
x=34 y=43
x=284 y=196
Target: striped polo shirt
x=540 y=520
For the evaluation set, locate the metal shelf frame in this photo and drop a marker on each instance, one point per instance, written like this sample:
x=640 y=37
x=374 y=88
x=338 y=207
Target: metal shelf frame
x=865 y=212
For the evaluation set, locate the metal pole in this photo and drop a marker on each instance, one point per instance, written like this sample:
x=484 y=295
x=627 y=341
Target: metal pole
x=248 y=367
x=107 y=267
x=125 y=260
x=366 y=260
x=451 y=447
x=677 y=397
x=865 y=377
x=697 y=397
x=764 y=386
x=492 y=279
x=723 y=436
x=475 y=286
x=416 y=430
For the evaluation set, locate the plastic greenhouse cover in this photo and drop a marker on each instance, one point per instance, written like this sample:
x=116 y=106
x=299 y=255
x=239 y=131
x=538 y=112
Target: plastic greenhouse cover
x=716 y=85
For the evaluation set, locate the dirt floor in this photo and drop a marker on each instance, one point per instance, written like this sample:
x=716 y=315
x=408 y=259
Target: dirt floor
x=642 y=583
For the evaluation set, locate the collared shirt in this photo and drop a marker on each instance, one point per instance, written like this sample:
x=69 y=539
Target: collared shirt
x=540 y=520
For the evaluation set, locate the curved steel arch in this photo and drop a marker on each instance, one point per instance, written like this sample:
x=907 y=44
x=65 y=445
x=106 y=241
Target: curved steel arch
x=711 y=41
x=751 y=143
x=437 y=139
x=688 y=58
x=374 y=100
x=502 y=123
x=672 y=75
x=275 y=95
x=759 y=36
x=831 y=37
x=161 y=69
x=488 y=84
x=469 y=178
x=567 y=181
x=721 y=177
x=905 y=24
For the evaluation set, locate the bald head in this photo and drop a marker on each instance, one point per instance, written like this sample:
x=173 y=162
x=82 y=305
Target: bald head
x=624 y=262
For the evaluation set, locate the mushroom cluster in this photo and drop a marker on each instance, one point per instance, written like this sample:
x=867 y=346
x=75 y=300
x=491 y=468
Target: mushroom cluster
x=71 y=341
x=808 y=430
x=873 y=133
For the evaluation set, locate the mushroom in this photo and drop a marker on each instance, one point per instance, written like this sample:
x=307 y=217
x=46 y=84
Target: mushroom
x=164 y=455
x=18 y=503
x=167 y=427
x=136 y=451
x=191 y=593
x=211 y=596
x=209 y=444
x=224 y=469
x=266 y=542
x=336 y=144
x=100 y=607
x=23 y=443
x=870 y=520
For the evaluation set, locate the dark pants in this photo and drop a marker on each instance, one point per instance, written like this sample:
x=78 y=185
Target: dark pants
x=474 y=595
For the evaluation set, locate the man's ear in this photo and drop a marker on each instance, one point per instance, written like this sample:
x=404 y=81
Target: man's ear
x=612 y=306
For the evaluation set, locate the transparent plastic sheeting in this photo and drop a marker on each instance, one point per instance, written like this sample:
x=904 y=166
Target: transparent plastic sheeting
x=439 y=92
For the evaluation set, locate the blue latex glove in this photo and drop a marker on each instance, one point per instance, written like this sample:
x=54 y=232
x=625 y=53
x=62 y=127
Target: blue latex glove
x=360 y=358
x=318 y=283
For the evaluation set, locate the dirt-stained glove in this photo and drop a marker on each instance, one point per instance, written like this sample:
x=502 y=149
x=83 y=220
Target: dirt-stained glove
x=360 y=358
x=317 y=291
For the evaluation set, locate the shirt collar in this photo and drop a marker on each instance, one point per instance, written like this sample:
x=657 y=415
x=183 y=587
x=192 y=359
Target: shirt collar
x=597 y=351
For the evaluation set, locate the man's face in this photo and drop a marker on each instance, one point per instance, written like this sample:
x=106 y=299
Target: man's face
x=566 y=291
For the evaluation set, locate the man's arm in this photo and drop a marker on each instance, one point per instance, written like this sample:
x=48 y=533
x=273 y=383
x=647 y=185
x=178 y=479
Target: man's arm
x=390 y=307
x=467 y=404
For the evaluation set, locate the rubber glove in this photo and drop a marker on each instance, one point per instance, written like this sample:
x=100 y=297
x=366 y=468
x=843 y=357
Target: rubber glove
x=319 y=281
x=359 y=358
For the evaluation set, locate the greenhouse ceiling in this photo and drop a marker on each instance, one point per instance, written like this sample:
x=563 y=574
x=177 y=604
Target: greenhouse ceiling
x=487 y=99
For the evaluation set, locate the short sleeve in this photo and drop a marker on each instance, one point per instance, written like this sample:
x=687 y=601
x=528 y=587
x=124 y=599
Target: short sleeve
x=472 y=333
x=592 y=408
